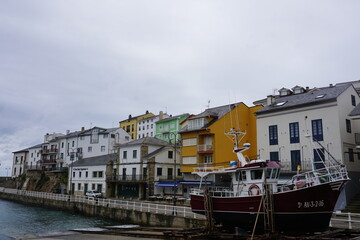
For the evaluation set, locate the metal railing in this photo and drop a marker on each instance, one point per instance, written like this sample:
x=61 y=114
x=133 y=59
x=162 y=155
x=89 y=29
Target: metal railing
x=205 y=147
x=129 y=177
x=345 y=220
x=141 y=206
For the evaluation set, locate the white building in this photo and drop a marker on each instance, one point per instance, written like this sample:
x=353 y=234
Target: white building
x=33 y=162
x=19 y=162
x=90 y=174
x=284 y=124
x=147 y=127
x=142 y=163
x=89 y=143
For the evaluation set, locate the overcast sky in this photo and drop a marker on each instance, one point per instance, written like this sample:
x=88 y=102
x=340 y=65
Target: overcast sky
x=68 y=64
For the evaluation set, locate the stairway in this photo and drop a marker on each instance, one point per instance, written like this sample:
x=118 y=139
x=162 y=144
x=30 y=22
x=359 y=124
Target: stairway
x=354 y=205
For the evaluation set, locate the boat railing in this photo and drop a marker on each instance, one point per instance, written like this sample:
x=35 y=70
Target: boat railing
x=316 y=177
x=219 y=192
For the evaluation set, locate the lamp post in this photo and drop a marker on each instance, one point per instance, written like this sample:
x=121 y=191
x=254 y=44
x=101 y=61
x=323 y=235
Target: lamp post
x=174 y=176
x=72 y=156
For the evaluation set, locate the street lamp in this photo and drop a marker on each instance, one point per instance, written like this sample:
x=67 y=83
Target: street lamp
x=72 y=157
x=174 y=176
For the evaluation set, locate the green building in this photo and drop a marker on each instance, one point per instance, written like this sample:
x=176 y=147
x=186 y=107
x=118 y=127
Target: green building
x=168 y=128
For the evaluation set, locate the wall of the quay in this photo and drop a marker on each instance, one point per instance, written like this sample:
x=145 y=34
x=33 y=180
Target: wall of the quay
x=125 y=216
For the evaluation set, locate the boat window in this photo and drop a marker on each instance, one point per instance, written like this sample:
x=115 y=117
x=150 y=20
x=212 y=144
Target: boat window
x=256 y=174
x=274 y=173
x=268 y=173
x=240 y=175
x=243 y=173
x=237 y=174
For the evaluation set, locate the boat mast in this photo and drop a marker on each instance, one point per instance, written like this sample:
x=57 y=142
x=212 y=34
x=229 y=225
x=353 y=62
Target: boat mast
x=237 y=136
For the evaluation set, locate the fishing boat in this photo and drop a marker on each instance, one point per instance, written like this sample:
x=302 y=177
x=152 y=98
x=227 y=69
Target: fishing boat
x=248 y=194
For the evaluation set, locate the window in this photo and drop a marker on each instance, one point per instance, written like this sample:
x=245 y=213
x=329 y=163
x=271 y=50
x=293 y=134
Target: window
x=62 y=145
x=196 y=123
x=351 y=155
x=79 y=186
x=73 y=144
x=86 y=174
x=99 y=187
x=170 y=154
x=294 y=132
x=273 y=135
x=105 y=135
x=103 y=148
x=152 y=126
x=159 y=172
x=348 y=125
x=189 y=142
x=82 y=137
x=95 y=174
x=353 y=100
x=207 y=159
x=179 y=173
x=124 y=154
x=93 y=186
x=256 y=174
x=295 y=160
x=79 y=174
x=319 y=158
x=94 y=138
x=274 y=156
x=89 y=149
x=317 y=130
x=73 y=174
x=100 y=174
x=134 y=153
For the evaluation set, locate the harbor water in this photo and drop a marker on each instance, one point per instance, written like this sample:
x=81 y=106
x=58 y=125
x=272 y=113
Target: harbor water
x=18 y=221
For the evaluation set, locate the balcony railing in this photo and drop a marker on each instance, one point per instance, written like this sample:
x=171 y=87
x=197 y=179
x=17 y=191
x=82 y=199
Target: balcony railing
x=205 y=148
x=44 y=162
x=126 y=178
x=48 y=151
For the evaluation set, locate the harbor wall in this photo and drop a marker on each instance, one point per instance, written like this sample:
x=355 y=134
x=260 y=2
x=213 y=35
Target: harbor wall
x=124 y=216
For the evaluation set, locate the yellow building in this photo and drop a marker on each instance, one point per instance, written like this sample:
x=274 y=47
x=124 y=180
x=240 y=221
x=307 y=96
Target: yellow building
x=204 y=142
x=130 y=124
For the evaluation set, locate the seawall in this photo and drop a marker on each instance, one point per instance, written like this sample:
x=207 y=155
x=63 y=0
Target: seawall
x=127 y=212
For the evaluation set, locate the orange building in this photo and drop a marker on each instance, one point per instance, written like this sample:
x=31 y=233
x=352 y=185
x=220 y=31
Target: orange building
x=204 y=142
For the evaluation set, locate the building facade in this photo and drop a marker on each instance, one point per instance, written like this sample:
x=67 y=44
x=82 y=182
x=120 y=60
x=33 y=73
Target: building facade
x=147 y=126
x=205 y=144
x=130 y=125
x=90 y=174
x=167 y=129
x=301 y=126
x=141 y=163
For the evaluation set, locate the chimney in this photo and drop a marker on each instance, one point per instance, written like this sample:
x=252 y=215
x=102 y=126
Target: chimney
x=270 y=99
x=67 y=132
x=161 y=115
x=82 y=129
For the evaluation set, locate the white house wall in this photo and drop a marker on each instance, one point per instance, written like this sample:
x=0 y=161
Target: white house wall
x=304 y=117
x=93 y=183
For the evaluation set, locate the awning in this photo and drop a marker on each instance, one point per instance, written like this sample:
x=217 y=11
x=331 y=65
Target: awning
x=166 y=184
x=196 y=183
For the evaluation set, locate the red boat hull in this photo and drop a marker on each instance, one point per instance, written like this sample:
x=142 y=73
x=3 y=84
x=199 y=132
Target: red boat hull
x=303 y=210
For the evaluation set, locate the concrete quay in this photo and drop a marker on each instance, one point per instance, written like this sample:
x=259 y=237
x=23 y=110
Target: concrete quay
x=134 y=212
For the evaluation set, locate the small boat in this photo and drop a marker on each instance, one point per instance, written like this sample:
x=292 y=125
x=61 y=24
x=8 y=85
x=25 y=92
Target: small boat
x=248 y=194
